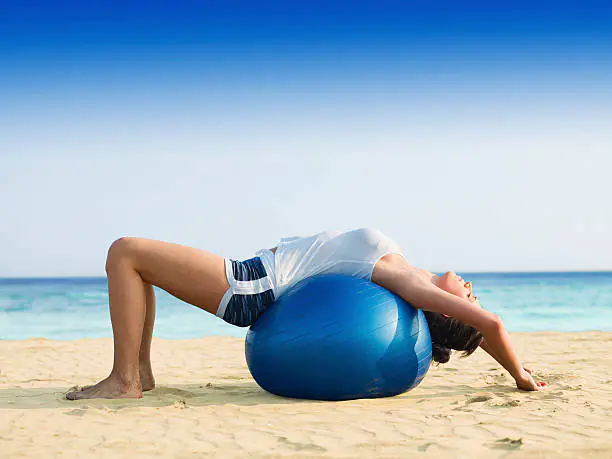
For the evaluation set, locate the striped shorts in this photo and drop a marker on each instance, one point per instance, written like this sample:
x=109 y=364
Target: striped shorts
x=250 y=292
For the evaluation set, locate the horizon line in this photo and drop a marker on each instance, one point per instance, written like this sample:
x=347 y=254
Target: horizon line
x=602 y=271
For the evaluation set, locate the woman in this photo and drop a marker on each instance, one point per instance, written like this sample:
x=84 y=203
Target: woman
x=239 y=291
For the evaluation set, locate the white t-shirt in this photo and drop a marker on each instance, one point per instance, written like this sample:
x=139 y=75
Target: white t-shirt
x=352 y=253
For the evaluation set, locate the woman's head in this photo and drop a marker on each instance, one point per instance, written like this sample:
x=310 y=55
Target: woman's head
x=447 y=333
x=453 y=283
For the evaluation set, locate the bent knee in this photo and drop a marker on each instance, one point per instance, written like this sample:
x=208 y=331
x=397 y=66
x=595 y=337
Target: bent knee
x=119 y=250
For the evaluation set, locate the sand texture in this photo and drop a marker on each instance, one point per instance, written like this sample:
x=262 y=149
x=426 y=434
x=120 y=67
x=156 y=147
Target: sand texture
x=207 y=405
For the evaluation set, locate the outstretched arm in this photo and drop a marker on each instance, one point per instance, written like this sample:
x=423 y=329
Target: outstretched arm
x=401 y=278
x=485 y=347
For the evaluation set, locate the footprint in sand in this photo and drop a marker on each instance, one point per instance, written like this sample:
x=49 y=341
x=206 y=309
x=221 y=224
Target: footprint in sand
x=499 y=378
x=502 y=402
x=508 y=443
x=298 y=446
x=571 y=387
x=493 y=400
x=553 y=377
x=551 y=395
x=479 y=398
x=425 y=446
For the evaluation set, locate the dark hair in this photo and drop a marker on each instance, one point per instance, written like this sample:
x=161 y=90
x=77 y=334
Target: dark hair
x=448 y=333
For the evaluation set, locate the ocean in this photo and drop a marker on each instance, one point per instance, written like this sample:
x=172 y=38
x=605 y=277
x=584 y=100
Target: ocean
x=71 y=308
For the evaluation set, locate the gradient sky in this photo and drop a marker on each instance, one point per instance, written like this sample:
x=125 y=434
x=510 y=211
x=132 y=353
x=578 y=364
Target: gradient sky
x=478 y=137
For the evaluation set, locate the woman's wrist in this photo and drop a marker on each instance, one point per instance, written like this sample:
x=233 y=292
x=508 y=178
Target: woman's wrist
x=499 y=343
x=523 y=376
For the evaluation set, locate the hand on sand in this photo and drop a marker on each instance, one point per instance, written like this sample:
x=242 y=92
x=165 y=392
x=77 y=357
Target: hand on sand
x=526 y=382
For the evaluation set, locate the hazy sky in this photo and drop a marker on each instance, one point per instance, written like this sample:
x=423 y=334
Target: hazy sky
x=478 y=137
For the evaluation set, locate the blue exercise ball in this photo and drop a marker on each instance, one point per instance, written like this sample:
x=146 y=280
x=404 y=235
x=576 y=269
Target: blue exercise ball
x=336 y=337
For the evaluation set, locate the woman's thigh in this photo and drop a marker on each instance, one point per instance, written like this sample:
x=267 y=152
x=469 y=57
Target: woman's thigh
x=192 y=275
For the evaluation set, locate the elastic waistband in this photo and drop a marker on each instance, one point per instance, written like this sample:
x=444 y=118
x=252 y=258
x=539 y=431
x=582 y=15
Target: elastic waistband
x=268 y=259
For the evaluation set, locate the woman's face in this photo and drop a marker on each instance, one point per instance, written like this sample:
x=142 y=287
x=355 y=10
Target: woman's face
x=452 y=283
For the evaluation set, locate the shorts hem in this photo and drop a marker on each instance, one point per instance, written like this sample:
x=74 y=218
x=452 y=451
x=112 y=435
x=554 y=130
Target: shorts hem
x=227 y=296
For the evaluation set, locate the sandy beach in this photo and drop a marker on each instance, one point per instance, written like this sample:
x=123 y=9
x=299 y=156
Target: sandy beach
x=207 y=405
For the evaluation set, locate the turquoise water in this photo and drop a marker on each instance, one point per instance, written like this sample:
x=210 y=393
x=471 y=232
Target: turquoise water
x=71 y=308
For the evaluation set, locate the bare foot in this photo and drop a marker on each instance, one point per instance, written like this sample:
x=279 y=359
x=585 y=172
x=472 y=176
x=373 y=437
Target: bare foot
x=110 y=387
x=147 y=380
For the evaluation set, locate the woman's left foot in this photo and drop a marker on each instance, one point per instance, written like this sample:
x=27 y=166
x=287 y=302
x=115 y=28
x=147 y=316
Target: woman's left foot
x=147 y=381
x=110 y=387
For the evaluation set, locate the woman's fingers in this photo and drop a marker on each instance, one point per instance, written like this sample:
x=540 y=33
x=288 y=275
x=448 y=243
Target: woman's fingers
x=541 y=384
x=526 y=382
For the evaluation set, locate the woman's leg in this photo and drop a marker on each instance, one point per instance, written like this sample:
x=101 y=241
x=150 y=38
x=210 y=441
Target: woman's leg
x=192 y=275
x=144 y=356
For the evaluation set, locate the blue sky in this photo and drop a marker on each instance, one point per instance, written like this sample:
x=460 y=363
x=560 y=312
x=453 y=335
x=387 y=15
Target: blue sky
x=476 y=136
